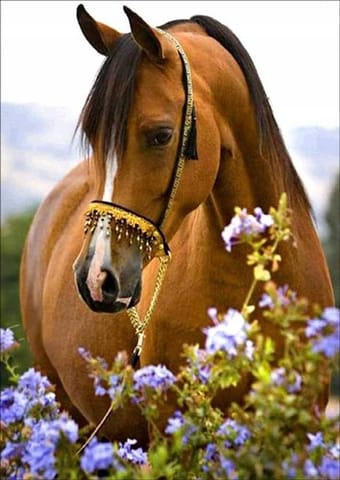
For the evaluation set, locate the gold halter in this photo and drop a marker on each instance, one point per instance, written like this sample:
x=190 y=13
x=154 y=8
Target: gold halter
x=140 y=230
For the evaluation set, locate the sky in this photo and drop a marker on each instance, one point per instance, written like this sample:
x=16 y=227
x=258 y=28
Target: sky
x=294 y=44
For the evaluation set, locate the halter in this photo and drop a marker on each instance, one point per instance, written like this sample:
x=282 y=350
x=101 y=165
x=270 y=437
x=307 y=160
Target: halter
x=140 y=230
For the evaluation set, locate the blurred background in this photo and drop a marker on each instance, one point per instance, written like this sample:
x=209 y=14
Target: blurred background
x=47 y=70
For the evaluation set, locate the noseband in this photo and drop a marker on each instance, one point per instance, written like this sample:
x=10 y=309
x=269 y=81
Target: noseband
x=139 y=230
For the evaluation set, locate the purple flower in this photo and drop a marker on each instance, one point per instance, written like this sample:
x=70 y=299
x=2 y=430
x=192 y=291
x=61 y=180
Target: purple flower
x=266 y=301
x=315 y=327
x=249 y=350
x=310 y=469
x=289 y=466
x=115 y=386
x=235 y=434
x=157 y=377
x=32 y=382
x=13 y=405
x=315 y=441
x=284 y=298
x=97 y=456
x=214 y=462
x=7 y=340
x=331 y=315
x=175 y=422
x=211 y=452
x=329 y=345
x=85 y=354
x=330 y=468
x=199 y=367
x=264 y=219
x=292 y=383
x=227 y=335
x=229 y=468
x=40 y=449
x=245 y=224
x=12 y=450
x=325 y=342
x=133 y=455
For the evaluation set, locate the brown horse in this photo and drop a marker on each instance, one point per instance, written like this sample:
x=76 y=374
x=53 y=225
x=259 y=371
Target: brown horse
x=179 y=131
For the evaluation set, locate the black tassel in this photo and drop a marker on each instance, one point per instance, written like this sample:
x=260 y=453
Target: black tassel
x=135 y=360
x=191 y=145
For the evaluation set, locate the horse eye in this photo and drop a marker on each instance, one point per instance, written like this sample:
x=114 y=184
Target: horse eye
x=159 y=137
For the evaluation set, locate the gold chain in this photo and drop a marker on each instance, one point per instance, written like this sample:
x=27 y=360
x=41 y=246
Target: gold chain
x=138 y=324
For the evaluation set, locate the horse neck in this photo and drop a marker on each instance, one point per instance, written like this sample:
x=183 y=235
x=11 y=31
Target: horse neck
x=245 y=179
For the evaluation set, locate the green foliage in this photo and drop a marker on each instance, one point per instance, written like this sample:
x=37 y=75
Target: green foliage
x=13 y=235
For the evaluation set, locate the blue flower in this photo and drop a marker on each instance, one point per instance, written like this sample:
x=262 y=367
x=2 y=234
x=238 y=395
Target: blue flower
x=157 y=377
x=85 y=354
x=133 y=455
x=40 y=449
x=266 y=301
x=284 y=297
x=235 y=434
x=198 y=366
x=115 y=386
x=97 y=456
x=13 y=405
x=249 y=350
x=227 y=335
x=245 y=224
x=7 y=340
x=310 y=470
x=289 y=466
x=331 y=315
x=330 y=468
x=325 y=342
x=328 y=345
x=12 y=450
x=292 y=383
x=175 y=422
x=315 y=441
x=315 y=327
x=32 y=382
x=229 y=468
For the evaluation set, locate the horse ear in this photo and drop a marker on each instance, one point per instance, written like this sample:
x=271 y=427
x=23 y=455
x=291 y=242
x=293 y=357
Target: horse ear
x=99 y=35
x=146 y=37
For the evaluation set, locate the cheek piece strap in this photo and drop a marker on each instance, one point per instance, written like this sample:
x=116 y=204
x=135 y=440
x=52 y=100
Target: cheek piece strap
x=139 y=230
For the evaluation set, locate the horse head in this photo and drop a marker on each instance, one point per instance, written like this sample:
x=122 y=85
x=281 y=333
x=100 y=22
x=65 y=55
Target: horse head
x=140 y=124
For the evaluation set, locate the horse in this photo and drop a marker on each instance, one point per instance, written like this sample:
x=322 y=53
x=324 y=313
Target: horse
x=177 y=131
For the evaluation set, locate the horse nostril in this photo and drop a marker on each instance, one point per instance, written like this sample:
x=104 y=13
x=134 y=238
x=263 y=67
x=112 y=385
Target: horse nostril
x=110 y=285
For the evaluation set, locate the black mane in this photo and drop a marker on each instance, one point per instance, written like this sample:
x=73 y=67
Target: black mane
x=271 y=142
x=107 y=106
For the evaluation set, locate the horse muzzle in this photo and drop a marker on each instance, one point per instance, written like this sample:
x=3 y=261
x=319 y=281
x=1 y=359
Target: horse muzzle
x=118 y=244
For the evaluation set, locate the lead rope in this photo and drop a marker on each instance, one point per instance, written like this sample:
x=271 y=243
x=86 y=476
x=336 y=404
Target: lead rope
x=138 y=324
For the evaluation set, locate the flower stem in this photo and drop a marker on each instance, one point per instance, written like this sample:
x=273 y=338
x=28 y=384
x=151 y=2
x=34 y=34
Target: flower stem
x=248 y=297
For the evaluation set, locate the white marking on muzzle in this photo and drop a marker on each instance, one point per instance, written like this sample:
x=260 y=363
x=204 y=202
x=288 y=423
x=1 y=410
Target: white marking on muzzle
x=111 y=171
x=95 y=276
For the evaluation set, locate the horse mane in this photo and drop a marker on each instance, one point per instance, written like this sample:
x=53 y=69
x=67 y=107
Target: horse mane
x=106 y=109
x=272 y=145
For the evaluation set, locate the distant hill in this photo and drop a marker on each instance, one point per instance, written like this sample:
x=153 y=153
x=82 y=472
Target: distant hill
x=37 y=151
